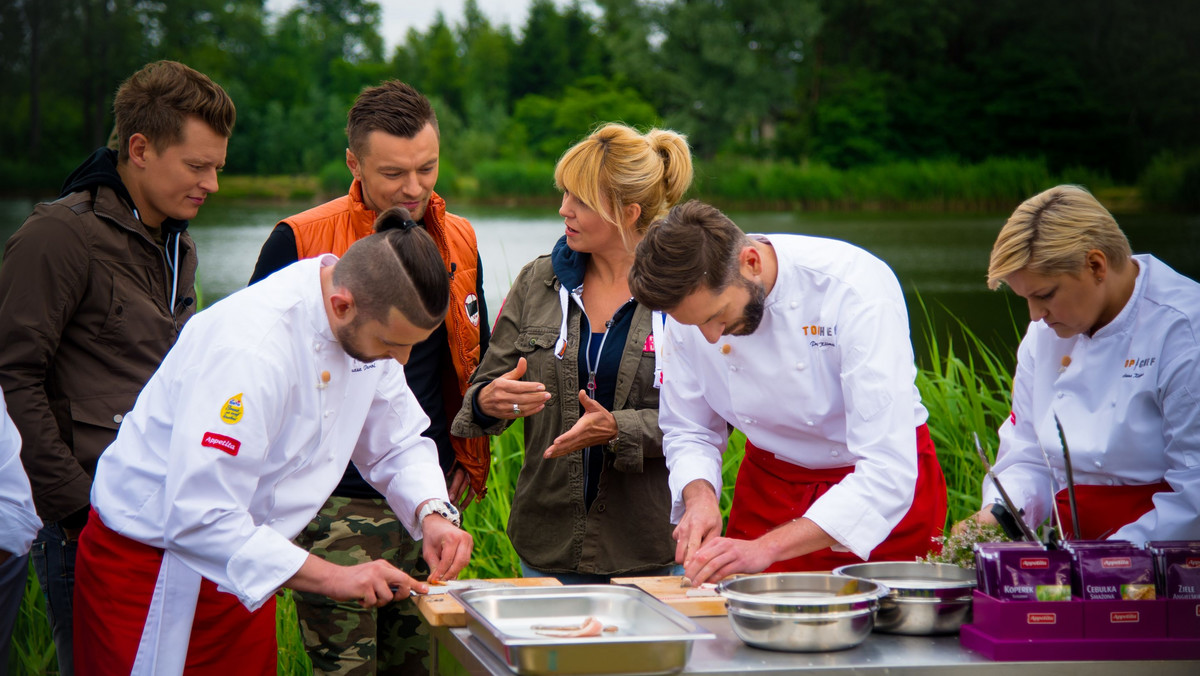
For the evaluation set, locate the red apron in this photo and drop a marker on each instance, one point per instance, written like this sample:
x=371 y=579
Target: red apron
x=770 y=491
x=1104 y=509
x=114 y=582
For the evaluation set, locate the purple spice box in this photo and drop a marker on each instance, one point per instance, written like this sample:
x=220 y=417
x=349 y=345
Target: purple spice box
x=1078 y=630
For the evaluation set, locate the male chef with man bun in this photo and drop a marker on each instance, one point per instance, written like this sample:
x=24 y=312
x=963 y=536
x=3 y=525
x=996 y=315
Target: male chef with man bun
x=802 y=343
x=236 y=442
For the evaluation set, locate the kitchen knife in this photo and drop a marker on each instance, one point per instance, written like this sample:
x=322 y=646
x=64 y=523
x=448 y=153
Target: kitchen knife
x=1070 y=480
x=1022 y=527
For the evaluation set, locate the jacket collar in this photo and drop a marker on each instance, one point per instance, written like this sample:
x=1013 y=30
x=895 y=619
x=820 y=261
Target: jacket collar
x=363 y=218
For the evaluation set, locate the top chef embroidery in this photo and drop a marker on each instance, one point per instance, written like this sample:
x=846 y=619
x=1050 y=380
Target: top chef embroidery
x=1135 y=367
x=820 y=336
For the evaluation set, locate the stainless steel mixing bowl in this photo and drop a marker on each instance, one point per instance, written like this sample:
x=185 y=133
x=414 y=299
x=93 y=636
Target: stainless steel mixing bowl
x=803 y=612
x=924 y=598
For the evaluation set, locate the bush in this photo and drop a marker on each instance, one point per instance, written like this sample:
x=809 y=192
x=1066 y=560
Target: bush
x=1172 y=182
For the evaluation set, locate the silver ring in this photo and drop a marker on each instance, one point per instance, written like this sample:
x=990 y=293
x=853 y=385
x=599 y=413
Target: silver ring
x=516 y=409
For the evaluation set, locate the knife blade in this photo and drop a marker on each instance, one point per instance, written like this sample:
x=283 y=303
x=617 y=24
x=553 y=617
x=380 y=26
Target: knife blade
x=1070 y=479
x=1026 y=531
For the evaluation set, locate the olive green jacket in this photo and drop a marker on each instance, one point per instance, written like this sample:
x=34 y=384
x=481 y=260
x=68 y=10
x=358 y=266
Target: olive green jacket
x=628 y=527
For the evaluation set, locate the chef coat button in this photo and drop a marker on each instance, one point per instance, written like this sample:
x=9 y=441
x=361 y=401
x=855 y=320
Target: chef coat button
x=1061 y=395
x=118 y=418
x=732 y=367
x=809 y=423
x=799 y=366
x=1110 y=482
x=1099 y=464
x=835 y=453
x=328 y=413
x=795 y=305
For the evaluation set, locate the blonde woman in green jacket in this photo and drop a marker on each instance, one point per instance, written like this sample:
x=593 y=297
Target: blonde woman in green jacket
x=573 y=354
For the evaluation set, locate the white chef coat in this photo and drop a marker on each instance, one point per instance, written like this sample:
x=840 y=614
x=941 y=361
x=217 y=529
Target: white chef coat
x=1129 y=403
x=247 y=372
x=21 y=522
x=826 y=381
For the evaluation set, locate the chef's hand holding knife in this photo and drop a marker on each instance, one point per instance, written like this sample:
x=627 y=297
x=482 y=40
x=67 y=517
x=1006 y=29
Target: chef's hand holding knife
x=373 y=584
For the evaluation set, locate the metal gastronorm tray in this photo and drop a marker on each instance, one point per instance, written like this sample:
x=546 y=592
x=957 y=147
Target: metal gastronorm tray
x=651 y=637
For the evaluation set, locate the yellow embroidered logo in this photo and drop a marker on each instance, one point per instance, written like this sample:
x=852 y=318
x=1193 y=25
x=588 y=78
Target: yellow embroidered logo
x=231 y=412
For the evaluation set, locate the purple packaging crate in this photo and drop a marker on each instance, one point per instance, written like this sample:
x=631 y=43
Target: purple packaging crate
x=1027 y=619
x=1114 y=574
x=1124 y=619
x=999 y=649
x=1183 y=618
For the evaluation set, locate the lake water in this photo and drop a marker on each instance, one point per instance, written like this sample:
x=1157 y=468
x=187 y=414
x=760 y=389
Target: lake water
x=941 y=257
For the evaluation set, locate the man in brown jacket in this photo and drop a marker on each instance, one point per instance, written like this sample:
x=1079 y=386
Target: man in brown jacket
x=94 y=289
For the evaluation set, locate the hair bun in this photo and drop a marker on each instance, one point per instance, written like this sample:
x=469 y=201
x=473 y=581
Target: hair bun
x=395 y=218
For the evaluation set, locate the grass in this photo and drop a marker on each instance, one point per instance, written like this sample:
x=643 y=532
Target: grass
x=964 y=384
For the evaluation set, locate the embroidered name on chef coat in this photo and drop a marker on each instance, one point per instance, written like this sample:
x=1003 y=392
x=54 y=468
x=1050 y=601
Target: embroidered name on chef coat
x=1135 y=367
x=232 y=411
x=820 y=336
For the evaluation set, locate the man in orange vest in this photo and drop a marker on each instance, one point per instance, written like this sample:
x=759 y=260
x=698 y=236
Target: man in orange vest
x=394 y=143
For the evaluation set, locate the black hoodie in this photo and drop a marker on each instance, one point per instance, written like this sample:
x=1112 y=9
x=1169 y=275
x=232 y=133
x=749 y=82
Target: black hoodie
x=101 y=169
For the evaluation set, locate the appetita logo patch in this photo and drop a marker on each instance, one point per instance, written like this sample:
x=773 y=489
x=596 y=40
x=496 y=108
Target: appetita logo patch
x=232 y=411
x=1041 y=618
x=1115 y=562
x=1035 y=564
x=471 y=305
x=221 y=442
x=1125 y=617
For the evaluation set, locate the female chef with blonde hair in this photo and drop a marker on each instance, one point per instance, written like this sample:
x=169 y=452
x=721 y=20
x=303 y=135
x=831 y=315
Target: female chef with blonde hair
x=1112 y=350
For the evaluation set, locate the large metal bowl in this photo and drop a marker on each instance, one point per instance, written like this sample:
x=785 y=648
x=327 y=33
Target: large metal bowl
x=801 y=612
x=925 y=598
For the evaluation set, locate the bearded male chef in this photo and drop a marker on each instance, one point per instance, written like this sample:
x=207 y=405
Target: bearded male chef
x=802 y=343
x=235 y=443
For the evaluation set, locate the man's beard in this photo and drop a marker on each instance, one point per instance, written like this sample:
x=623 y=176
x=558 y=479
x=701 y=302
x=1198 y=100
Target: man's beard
x=752 y=314
x=346 y=337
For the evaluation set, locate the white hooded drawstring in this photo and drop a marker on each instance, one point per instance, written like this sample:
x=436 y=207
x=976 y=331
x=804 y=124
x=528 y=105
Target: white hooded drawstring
x=172 y=262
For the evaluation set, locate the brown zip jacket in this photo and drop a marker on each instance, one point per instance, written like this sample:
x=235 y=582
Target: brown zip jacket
x=84 y=322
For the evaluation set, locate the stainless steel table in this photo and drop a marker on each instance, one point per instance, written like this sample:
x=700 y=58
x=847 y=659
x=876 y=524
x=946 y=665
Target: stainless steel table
x=880 y=653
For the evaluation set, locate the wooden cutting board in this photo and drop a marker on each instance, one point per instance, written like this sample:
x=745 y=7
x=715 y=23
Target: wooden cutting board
x=441 y=610
x=670 y=590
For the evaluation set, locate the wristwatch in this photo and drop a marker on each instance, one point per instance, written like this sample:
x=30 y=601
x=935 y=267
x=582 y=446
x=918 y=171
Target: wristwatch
x=440 y=507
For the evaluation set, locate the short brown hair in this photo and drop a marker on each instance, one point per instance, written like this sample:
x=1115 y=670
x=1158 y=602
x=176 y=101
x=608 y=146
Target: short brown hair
x=397 y=267
x=393 y=107
x=1052 y=232
x=156 y=100
x=695 y=246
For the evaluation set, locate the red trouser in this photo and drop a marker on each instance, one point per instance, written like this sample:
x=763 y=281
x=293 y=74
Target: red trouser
x=1104 y=509
x=114 y=582
x=770 y=492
